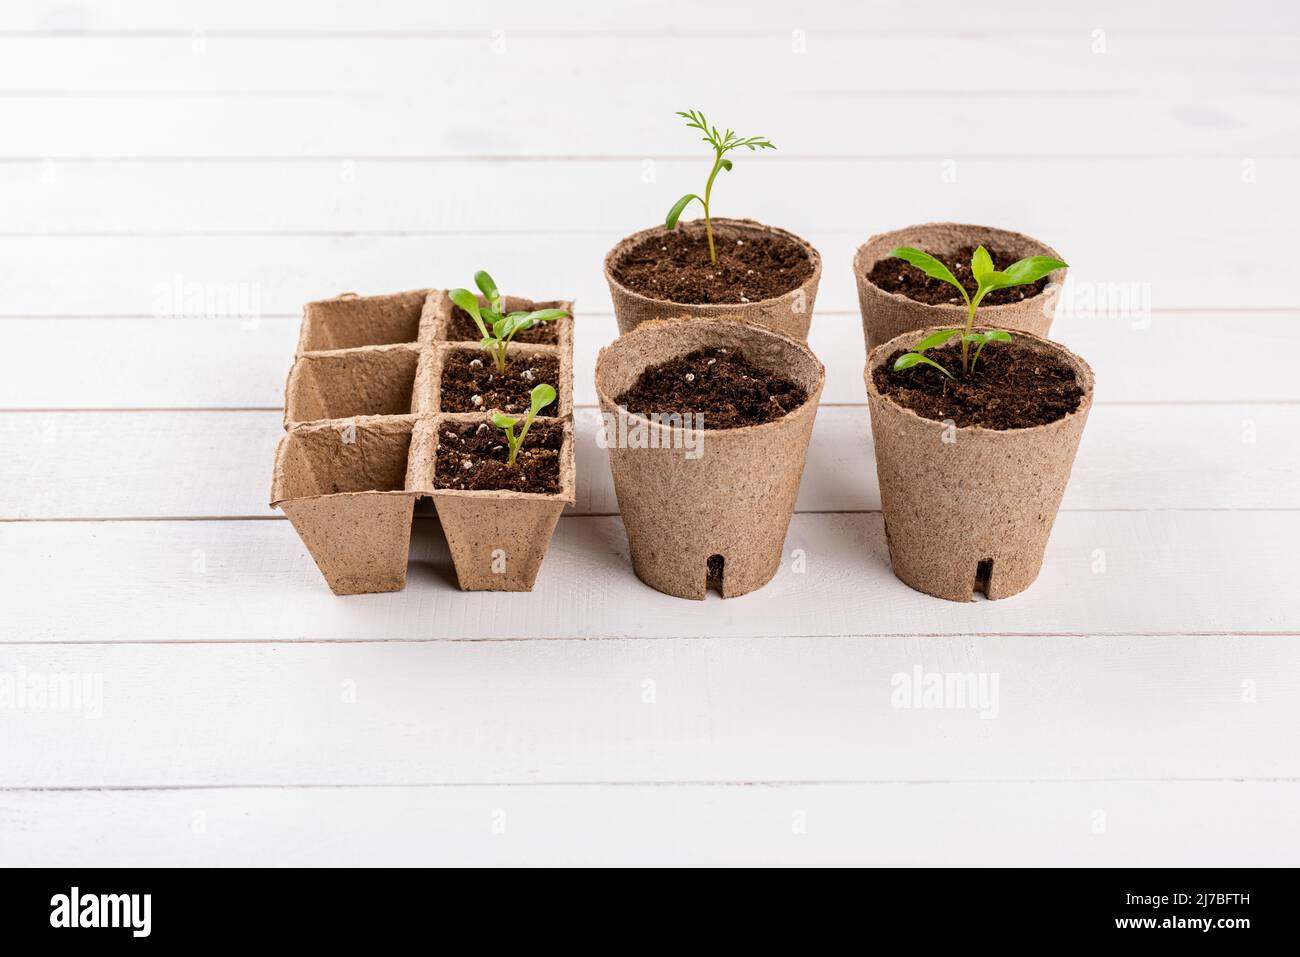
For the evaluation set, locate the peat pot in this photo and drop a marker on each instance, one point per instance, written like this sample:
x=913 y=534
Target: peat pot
x=705 y=507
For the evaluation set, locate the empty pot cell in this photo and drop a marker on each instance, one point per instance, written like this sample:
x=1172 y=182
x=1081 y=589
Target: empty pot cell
x=351 y=321
x=340 y=457
x=337 y=385
x=470 y=381
x=460 y=327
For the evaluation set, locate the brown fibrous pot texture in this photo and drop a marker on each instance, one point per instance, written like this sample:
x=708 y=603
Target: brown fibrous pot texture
x=970 y=508
x=736 y=497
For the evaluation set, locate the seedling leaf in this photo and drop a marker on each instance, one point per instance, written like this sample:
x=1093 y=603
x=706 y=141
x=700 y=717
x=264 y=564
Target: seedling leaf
x=909 y=359
x=542 y=396
x=1030 y=269
x=675 y=213
x=981 y=265
x=928 y=265
x=489 y=289
x=935 y=339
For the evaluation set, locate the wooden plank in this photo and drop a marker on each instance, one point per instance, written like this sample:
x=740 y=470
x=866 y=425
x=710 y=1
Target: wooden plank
x=217 y=464
x=161 y=363
x=223 y=275
x=459 y=196
x=452 y=63
x=1104 y=573
x=653 y=17
x=627 y=711
x=1115 y=824
x=1243 y=124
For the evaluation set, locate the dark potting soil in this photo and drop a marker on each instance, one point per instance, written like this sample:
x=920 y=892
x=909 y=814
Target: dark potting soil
x=461 y=328
x=897 y=275
x=1013 y=387
x=467 y=373
x=718 y=382
x=675 y=266
x=472 y=457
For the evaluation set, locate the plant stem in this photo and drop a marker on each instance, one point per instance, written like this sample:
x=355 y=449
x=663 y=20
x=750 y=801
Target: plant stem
x=965 y=343
x=708 y=223
x=499 y=354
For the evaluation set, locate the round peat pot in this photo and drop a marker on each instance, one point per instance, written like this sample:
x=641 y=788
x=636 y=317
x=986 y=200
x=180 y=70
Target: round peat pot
x=705 y=507
x=969 y=508
x=790 y=313
x=888 y=314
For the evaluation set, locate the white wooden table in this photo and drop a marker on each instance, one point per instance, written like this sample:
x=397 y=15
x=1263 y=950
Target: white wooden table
x=177 y=179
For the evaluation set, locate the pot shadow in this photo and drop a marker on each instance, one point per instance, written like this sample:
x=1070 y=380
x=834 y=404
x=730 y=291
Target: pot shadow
x=430 y=558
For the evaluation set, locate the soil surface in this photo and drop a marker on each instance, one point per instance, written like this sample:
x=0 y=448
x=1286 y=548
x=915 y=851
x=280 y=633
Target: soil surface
x=897 y=275
x=718 y=382
x=675 y=267
x=467 y=374
x=1013 y=387
x=472 y=457
x=461 y=328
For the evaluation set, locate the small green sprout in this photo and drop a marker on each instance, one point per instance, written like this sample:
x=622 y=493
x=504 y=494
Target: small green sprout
x=498 y=327
x=541 y=396
x=1019 y=273
x=722 y=144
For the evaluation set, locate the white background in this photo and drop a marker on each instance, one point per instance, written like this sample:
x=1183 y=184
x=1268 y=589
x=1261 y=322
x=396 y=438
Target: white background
x=1149 y=706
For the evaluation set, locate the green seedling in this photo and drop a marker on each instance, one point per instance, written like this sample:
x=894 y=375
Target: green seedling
x=496 y=325
x=722 y=144
x=987 y=278
x=541 y=396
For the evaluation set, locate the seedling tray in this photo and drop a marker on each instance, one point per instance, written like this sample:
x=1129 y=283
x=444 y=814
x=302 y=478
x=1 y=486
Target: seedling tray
x=362 y=416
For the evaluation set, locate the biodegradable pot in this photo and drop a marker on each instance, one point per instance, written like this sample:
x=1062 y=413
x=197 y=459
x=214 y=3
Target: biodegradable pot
x=734 y=499
x=970 y=507
x=343 y=485
x=497 y=538
x=889 y=314
x=362 y=410
x=789 y=313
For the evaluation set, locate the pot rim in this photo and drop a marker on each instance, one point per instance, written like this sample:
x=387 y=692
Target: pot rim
x=713 y=307
x=877 y=356
x=651 y=325
x=861 y=272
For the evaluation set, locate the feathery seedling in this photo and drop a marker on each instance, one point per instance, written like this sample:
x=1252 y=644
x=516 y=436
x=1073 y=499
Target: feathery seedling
x=722 y=144
x=541 y=396
x=497 y=326
x=987 y=278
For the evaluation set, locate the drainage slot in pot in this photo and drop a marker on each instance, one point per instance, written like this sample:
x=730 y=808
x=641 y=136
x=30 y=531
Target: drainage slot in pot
x=713 y=573
x=983 y=575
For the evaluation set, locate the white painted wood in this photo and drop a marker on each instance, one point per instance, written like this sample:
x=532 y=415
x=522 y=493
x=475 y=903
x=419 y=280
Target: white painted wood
x=616 y=196
x=472 y=63
x=196 y=363
x=276 y=274
x=670 y=711
x=663 y=20
x=218 y=464
x=1104 y=573
x=274 y=153
x=1142 y=824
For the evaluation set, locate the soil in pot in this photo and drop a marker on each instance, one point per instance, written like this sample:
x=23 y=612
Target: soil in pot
x=472 y=457
x=461 y=328
x=895 y=275
x=1013 y=387
x=675 y=267
x=470 y=374
x=720 y=383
